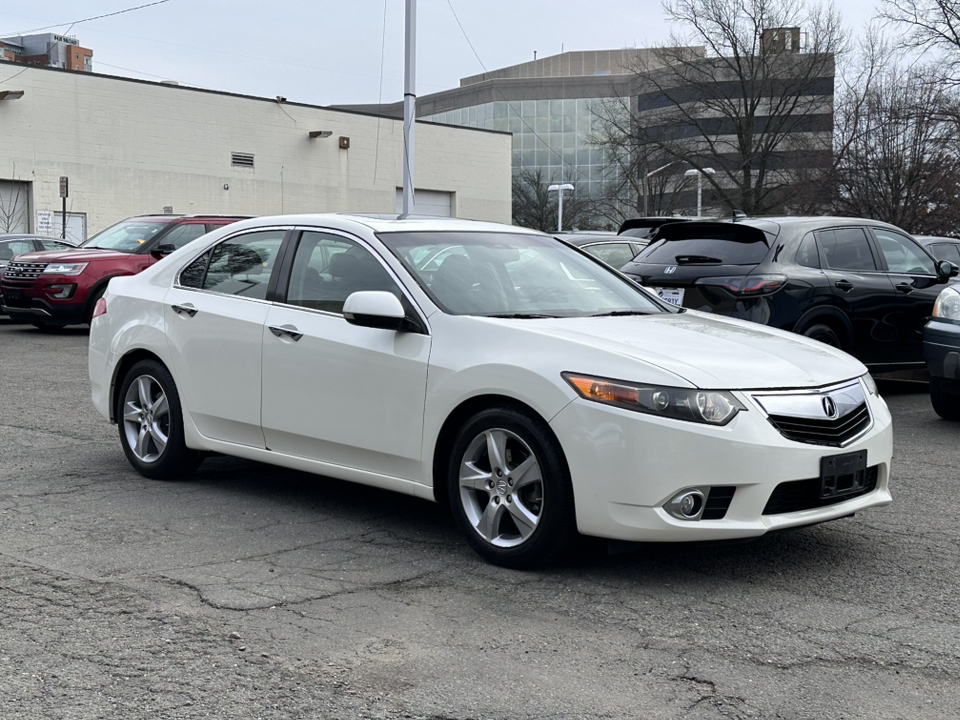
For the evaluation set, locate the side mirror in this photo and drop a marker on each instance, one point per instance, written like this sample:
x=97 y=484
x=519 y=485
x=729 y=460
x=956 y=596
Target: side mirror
x=947 y=270
x=163 y=249
x=375 y=309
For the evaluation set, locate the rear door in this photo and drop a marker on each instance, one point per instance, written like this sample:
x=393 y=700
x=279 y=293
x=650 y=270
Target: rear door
x=914 y=287
x=214 y=319
x=861 y=291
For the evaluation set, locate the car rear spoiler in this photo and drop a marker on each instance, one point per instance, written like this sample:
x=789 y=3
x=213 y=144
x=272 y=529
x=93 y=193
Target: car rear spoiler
x=730 y=232
x=647 y=223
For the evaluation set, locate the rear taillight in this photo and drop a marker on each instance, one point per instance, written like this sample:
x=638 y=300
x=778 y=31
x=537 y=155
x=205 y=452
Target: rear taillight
x=746 y=284
x=100 y=308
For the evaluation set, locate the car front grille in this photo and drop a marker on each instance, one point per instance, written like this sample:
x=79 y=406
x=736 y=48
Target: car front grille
x=22 y=274
x=798 y=495
x=833 y=416
x=824 y=432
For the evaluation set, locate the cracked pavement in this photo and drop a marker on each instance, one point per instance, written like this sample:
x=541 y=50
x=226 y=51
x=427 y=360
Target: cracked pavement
x=257 y=592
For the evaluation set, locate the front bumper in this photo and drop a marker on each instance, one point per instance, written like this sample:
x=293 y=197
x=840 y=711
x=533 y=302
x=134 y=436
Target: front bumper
x=27 y=308
x=941 y=349
x=626 y=466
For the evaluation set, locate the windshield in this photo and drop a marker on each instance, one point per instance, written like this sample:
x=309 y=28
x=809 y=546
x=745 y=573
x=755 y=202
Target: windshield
x=126 y=236
x=514 y=275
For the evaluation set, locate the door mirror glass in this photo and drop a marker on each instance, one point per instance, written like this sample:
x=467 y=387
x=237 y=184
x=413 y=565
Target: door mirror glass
x=374 y=308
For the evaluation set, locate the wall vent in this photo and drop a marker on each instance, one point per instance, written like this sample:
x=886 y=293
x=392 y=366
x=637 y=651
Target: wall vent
x=239 y=159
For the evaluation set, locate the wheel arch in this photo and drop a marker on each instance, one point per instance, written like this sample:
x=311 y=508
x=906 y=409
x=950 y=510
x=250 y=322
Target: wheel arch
x=127 y=362
x=834 y=318
x=456 y=419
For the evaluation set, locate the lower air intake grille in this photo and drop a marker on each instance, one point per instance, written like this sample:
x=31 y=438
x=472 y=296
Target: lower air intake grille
x=718 y=502
x=798 y=495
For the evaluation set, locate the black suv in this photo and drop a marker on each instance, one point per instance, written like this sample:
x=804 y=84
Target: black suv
x=860 y=285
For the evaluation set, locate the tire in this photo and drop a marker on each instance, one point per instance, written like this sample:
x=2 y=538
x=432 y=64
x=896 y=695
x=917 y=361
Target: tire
x=517 y=512
x=946 y=404
x=823 y=333
x=151 y=423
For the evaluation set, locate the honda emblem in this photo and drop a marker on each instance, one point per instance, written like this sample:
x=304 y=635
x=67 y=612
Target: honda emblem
x=670 y=270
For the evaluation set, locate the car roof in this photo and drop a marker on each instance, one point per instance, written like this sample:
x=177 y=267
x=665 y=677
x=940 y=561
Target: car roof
x=802 y=223
x=384 y=223
x=932 y=239
x=587 y=238
x=31 y=236
x=161 y=217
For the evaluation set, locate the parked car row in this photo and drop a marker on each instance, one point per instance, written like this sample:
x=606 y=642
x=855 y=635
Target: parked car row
x=528 y=385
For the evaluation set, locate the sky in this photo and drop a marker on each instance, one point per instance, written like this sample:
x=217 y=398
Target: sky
x=333 y=52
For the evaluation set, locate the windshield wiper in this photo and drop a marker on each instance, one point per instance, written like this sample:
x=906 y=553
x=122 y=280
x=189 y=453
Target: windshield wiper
x=689 y=259
x=622 y=313
x=519 y=316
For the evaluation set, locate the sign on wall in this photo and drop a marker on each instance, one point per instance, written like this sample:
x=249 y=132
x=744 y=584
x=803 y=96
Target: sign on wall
x=44 y=222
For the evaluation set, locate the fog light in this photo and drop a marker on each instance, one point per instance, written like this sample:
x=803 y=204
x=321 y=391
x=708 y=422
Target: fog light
x=687 y=505
x=61 y=292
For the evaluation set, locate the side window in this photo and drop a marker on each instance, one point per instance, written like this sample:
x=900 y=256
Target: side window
x=328 y=268
x=192 y=275
x=946 y=251
x=807 y=253
x=902 y=254
x=614 y=254
x=238 y=266
x=847 y=249
x=9 y=250
x=182 y=234
x=54 y=244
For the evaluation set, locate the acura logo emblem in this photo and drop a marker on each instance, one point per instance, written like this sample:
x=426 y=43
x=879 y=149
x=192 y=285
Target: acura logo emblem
x=830 y=407
x=670 y=270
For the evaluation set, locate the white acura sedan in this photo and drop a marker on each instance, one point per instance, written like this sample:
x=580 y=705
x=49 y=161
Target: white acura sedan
x=525 y=383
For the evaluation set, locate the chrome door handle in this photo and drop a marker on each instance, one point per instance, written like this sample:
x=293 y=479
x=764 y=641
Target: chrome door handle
x=187 y=309
x=905 y=288
x=286 y=331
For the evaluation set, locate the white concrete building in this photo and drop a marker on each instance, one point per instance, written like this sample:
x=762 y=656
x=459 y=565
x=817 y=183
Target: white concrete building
x=130 y=147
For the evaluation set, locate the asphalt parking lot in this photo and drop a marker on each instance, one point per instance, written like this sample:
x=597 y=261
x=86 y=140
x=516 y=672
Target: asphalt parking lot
x=256 y=592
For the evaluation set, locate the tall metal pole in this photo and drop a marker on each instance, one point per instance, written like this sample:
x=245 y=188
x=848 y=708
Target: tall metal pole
x=559 y=209
x=699 y=194
x=409 y=103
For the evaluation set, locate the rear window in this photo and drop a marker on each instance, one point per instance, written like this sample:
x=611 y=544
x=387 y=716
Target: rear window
x=710 y=247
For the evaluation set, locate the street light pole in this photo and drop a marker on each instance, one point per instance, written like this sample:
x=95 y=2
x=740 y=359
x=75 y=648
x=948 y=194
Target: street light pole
x=560 y=189
x=646 y=183
x=409 y=104
x=700 y=174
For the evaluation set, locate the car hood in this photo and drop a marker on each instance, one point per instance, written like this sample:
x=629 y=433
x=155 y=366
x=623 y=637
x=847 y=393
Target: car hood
x=709 y=351
x=78 y=255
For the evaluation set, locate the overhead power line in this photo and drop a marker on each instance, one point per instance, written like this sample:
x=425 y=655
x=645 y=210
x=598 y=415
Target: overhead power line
x=96 y=17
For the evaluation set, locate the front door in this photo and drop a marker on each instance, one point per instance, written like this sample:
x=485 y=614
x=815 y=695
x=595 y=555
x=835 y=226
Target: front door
x=912 y=275
x=336 y=392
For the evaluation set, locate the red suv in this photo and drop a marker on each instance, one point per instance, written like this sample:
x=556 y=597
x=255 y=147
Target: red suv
x=53 y=289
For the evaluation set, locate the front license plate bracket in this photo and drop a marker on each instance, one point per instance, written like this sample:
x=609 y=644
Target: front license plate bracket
x=842 y=475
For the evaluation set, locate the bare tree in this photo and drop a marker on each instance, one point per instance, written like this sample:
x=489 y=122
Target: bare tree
x=13 y=207
x=929 y=25
x=535 y=207
x=755 y=104
x=897 y=147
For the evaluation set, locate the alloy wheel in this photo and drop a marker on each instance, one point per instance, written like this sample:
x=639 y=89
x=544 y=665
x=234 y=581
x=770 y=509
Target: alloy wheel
x=501 y=488
x=146 y=418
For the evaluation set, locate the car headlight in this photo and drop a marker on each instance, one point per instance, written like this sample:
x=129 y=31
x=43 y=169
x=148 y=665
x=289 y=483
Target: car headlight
x=64 y=268
x=712 y=407
x=870 y=384
x=947 y=306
